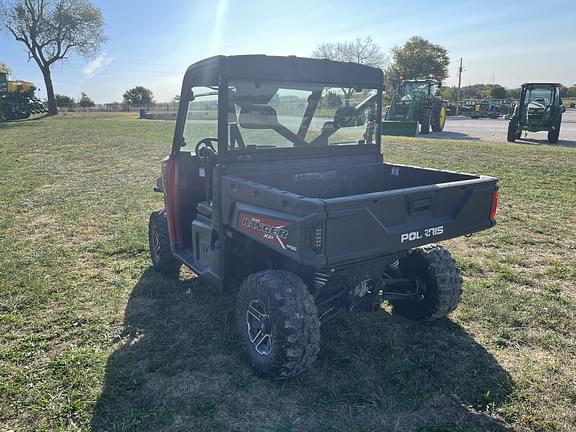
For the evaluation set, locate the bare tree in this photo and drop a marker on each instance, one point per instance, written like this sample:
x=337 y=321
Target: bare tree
x=51 y=30
x=363 y=51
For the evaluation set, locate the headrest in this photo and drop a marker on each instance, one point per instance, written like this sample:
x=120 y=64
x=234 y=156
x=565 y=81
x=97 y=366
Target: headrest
x=258 y=117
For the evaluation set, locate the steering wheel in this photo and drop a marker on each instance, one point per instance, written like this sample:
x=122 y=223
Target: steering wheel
x=205 y=149
x=345 y=116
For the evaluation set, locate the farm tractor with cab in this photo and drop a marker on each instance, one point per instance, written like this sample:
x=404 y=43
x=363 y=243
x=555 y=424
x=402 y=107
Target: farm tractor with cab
x=415 y=103
x=539 y=109
x=295 y=214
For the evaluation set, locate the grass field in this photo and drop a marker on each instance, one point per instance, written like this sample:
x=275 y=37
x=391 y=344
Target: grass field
x=92 y=339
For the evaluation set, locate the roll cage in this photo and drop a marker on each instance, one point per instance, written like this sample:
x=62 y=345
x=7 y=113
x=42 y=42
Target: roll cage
x=217 y=73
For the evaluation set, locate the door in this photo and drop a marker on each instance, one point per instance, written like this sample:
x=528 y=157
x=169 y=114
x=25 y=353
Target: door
x=187 y=177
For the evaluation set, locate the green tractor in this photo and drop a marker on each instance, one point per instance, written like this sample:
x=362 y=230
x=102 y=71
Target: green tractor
x=415 y=102
x=539 y=109
x=17 y=99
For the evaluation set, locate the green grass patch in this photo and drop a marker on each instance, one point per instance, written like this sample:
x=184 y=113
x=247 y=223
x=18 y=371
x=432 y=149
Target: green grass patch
x=92 y=339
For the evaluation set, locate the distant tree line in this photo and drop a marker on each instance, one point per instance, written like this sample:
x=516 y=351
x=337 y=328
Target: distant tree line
x=417 y=58
x=495 y=91
x=135 y=96
x=63 y=101
x=479 y=91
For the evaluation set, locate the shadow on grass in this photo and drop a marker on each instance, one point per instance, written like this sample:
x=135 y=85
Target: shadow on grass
x=534 y=141
x=23 y=122
x=450 y=135
x=178 y=368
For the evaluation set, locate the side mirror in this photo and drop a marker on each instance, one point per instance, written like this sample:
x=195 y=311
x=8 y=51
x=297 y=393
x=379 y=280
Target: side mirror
x=258 y=117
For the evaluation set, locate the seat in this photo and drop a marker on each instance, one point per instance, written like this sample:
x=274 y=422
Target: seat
x=205 y=209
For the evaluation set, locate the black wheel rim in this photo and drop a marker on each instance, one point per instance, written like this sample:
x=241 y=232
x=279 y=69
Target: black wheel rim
x=259 y=327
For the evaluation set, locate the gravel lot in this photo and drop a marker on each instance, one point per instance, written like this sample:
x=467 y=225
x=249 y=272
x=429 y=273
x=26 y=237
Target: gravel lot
x=495 y=130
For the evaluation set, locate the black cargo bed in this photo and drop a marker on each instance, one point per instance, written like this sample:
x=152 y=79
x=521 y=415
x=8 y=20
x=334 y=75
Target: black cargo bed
x=369 y=209
x=344 y=181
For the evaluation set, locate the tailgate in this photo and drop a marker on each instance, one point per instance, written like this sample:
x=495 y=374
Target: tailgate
x=379 y=223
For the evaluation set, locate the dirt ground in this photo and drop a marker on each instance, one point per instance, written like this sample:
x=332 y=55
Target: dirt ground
x=495 y=130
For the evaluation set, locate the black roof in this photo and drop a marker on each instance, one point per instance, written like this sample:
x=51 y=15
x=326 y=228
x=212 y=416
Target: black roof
x=421 y=80
x=277 y=68
x=541 y=84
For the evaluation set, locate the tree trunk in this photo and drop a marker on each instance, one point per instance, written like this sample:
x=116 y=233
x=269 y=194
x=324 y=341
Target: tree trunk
x=52 y=108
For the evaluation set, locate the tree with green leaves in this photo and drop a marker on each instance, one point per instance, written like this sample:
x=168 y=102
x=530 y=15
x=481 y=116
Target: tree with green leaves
x=51 y=30
x=417 y=59
x=477 y=91
x=138 y=96
x=63 y=101
x=498 y=92
x=4 y=68
x=85 y=101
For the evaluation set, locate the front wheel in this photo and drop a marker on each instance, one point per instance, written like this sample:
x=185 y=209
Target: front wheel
x=438 y=119
x=425 y=122
x=277 y=323
x=159 y=242
x=554 y=133
x=513 y=134
x=442 y=284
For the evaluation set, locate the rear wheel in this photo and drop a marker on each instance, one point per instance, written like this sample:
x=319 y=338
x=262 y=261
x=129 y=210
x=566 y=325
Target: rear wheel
x=438 y=116
x=277 y=323
x=159 y=242
x=513 y=133
x=436 y=268
x=425 y=121
x=554 y=133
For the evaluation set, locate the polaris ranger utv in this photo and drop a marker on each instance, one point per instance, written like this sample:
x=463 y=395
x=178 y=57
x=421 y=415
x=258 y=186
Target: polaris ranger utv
x=276 y=184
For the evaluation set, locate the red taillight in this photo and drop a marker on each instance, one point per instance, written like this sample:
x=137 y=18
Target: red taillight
x=494 y=205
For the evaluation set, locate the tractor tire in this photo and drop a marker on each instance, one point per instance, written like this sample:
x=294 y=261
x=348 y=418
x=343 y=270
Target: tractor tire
x=159 y=242
x=438 y=118
x=513 y=134
x=425 y=121
x=278 y=324
x=442 y=284
x=554 y=133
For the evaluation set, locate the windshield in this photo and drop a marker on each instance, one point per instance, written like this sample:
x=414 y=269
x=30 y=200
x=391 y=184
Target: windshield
x=280 y=114
x=543 y=95
x=411 y=88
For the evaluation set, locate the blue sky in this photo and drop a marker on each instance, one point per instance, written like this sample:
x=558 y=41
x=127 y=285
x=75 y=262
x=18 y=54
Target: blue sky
x=152 y=43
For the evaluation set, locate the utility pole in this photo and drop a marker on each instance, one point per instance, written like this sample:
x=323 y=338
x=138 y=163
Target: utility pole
x=460 y=70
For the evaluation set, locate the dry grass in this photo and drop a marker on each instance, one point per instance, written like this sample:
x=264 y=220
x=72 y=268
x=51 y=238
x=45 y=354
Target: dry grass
x=91 y=339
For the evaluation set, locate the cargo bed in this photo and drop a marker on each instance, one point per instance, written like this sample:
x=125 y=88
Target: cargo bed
x=368 y=209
